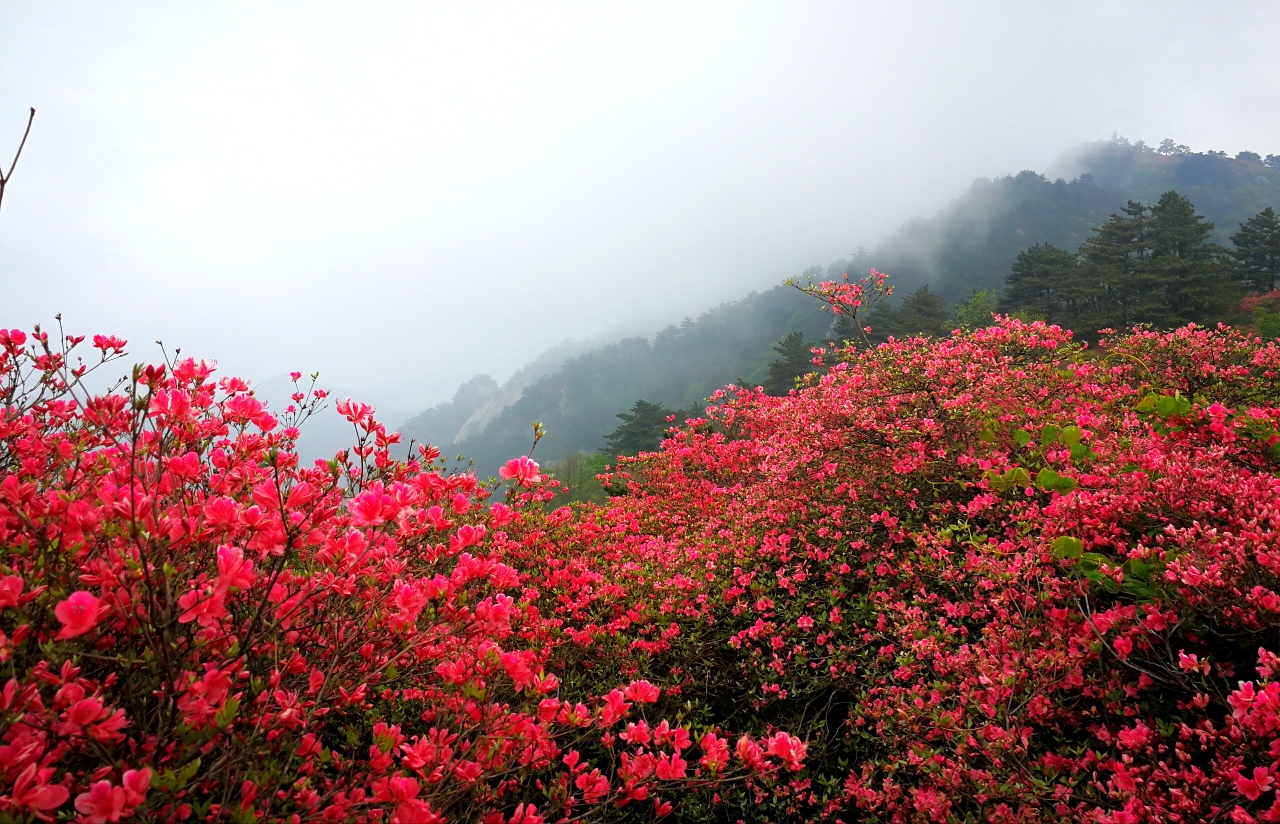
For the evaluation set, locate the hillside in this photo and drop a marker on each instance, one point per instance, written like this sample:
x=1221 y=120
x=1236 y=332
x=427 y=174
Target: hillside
x=578 y=402
x=973 y=242
x=970 y=244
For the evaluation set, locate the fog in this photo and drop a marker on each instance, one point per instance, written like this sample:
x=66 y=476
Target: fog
x=401 y=195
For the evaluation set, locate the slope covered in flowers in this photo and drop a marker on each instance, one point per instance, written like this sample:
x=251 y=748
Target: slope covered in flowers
x=194 y=627
x=994 y=577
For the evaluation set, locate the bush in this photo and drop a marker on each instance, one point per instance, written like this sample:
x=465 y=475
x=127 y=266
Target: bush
x=995 y=577
x=998 y=577
x=196 y=627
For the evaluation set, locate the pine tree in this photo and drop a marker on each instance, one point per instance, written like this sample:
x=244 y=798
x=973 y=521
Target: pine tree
x=846 y=330
x=1197 y=278
x=922 y=312
x=1044 y=283
x=796 y=360
x=1114 y=269
x=641 y=430
x=1258 y=250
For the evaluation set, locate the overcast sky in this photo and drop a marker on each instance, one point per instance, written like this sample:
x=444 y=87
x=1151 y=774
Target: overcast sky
x=402 y=195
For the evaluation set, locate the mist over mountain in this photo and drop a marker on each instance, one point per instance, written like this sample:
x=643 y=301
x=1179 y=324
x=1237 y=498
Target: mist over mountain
x=968 y=245
x=971 y=243
x=579 y=402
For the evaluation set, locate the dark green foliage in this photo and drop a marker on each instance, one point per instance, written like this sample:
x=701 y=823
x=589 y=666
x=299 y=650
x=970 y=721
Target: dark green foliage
x=1043 y=283
x=972 y=243
x=1257 y=250
x=922 y=312
x=796 y=360
x=1144 y=264
x=846 y=330
x=976 y=312
x=641 y=430
x=1200 y=284
x=1116 y=289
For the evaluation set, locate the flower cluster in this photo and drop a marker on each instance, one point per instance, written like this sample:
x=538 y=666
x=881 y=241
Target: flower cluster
x=997 y=577
x=194 y=626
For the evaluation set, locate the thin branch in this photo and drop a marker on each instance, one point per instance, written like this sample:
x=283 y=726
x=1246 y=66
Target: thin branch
x=4 y=178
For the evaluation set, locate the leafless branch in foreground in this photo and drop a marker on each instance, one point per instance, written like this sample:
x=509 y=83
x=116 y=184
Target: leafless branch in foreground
x=5 y=177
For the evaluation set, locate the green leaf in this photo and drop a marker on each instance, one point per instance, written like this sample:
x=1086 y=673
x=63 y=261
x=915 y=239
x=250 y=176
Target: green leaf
x=227 y=714
x=1064 y=484
x=171 y=781
x=1023 y=437
x=1134 y=568
x=1166 y=406
x=987 y=436
x=1079 y=452
x=185 y=774
x=1090 y=561
x=1070 y=436
x=1048 y=435
x=1046 y=479
x=1018 y=477
x=1067 y=547
x=996 y=481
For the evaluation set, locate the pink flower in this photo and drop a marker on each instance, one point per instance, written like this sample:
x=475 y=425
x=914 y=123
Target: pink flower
x=104 y=803
x=10 y=591
x=594 y=786
x=105 y=343
x=1242 y=699
x=234 y=572
x=615 y=707
x=522 y=470
x=1136 y=737
x=1123 y=780
x=671 y=767
x=716 y=752
x=501 y=514
x=789 y=750
x=642 y=692
x=414 y=811
x=749 y=753
x=80 y=715
x=525 y=814
x=30 y=792
x=1251 y=788
x=78 y=614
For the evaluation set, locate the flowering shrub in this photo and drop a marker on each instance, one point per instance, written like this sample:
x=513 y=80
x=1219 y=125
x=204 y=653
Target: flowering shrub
x=194 y=626
x=995 y=577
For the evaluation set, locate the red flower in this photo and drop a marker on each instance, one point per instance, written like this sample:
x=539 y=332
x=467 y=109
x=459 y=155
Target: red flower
x=522 y=470
x=642 y=692
x=788 y=749
x=78 y=614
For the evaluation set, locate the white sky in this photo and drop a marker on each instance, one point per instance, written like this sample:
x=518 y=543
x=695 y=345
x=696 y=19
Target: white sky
x=401 y=195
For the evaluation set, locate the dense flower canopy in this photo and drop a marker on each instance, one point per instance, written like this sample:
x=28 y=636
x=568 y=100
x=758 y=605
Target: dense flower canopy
x=196 y=627
x=993 y=577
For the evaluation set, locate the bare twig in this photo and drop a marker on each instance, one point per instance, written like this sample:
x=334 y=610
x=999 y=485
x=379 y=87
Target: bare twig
x=5 y=177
